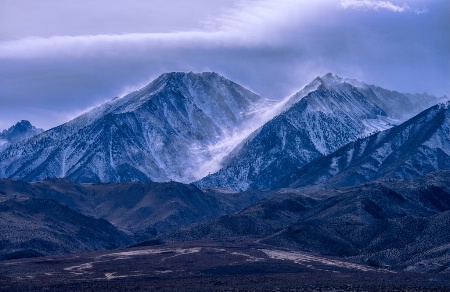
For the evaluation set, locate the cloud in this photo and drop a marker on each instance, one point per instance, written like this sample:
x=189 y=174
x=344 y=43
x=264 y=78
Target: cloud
x=248 y=23
x=91 y=45
x=272 y=47
x=374 y=5
x=46 y=18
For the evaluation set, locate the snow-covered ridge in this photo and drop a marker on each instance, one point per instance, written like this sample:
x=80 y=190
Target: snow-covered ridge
x=325 y=115
x=178 y=127
x=413 y=148
x=184 y=126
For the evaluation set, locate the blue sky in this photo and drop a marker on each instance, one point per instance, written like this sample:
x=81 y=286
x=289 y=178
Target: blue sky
x=59 y=58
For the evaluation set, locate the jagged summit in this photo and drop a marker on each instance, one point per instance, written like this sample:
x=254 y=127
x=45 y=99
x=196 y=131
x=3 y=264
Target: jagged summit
x=330 y=78
x=396 y=105
x=175 y=79
x=332 y=81
x=19 y=127
x=208 y=91
x=24 y=123
x=328 y=81
x=18 y=132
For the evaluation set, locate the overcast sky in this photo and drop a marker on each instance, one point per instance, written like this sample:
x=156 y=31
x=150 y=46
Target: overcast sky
x=59 y=58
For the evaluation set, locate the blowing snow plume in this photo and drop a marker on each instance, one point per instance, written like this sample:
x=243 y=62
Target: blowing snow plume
x=178 y=127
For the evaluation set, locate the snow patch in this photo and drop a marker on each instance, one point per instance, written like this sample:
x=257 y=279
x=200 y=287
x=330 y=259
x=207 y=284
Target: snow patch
x=80 y=268
x=303 y=258
x=178 y=251
x=249 y=257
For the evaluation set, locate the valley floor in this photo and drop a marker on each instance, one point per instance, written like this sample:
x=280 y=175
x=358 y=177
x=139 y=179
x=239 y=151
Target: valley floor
x=232 y=265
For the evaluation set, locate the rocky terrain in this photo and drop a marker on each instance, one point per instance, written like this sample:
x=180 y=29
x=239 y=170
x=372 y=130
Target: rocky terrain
x=394 y=224
x=33 y=227
x=141 y=210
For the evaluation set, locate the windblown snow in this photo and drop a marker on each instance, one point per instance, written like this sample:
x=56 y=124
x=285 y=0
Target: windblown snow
x=179 y=127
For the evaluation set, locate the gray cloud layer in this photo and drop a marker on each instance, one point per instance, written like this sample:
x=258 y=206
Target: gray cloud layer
x=272 y=47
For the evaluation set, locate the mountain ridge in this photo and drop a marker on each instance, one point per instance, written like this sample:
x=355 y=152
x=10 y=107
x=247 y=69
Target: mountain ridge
x=390 y=223
x=205 y=128
x=414 y=148
x=178 y=127
x=324 y=116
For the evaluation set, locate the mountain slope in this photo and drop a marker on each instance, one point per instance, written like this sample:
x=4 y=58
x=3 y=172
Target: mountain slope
x=142 y=210
x=176 y=128
x=327 y=114
x=21 y=131
x=32 y=227
x=414 y=148
x=396 y=224
x=149 y=209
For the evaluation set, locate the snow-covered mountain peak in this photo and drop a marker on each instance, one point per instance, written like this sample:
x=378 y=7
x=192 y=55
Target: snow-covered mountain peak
x=329 y=82
x=178 y=127
x=18 y=132
x=310 y=87
x=326 y=114
x=338 y=92
x=330 y=79
x=197 y=88
x=181 y=126
x=210 y=92
x=337 y=83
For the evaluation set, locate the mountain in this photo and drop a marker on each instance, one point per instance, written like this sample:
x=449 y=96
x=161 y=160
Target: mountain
x=394 y=224
x=414 y=148
x=21 y=131
x=143 y=210
x=150 y=209
x=185 y=126
x=178 y=128
x=327 y=114
x=31 y=227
